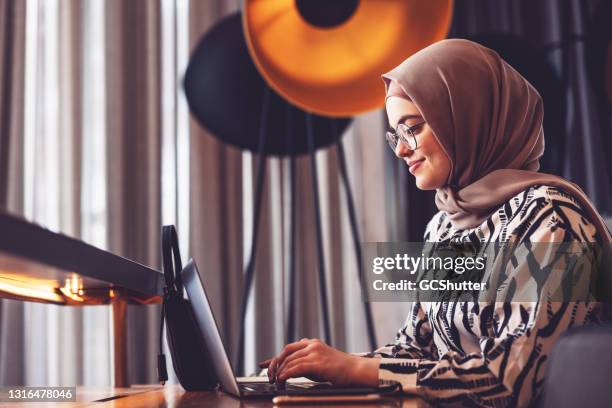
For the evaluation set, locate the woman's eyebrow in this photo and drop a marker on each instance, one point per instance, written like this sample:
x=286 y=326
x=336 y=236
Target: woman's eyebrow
x=405 y=117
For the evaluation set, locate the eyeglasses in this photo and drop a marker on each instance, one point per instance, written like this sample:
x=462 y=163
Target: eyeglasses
x=404 y=133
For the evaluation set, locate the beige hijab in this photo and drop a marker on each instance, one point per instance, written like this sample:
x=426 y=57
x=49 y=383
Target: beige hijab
x=488 y=120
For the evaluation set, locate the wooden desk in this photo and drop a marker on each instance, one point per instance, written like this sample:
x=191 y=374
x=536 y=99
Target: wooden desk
x=173 y=396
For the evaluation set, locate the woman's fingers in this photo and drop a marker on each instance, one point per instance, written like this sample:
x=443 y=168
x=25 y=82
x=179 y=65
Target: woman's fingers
x=298 y=354
x=265 y=363
x=320 y=362
x=287 y=350
x=301 y=367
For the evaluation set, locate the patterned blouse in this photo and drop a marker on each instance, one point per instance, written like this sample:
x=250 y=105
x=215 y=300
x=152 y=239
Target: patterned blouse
x=490 y=354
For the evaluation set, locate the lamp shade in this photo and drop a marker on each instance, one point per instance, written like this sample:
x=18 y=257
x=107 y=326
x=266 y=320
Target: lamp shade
x=327 y=56
x=225 y=93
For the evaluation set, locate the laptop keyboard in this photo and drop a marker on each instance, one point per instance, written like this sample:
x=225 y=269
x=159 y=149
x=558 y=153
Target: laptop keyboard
x=273 y=388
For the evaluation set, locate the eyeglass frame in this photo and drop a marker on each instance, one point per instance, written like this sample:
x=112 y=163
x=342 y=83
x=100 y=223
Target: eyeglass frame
x=393 y=137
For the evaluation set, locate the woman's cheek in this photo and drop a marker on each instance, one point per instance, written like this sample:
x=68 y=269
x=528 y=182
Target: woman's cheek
x=435 y=178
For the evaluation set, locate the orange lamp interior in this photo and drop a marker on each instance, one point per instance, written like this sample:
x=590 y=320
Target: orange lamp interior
x=336 y=71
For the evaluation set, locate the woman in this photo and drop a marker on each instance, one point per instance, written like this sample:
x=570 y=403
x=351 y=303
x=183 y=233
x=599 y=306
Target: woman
x=469 y=126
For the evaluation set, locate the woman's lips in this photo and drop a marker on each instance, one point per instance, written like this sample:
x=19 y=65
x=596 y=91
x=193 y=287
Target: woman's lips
x=414 y=164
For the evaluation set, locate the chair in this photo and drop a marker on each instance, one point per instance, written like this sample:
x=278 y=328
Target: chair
x=580 y=370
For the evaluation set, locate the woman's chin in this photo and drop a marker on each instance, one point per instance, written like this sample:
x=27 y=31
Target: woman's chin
x=422 y=184
x=425 y=183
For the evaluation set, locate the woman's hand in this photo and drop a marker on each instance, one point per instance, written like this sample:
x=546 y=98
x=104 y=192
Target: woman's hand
x=316 y=360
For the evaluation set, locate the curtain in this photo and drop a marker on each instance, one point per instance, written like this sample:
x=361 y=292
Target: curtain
x=12 y=38
x=133 y=76
x=216 y=238
x=223 y=262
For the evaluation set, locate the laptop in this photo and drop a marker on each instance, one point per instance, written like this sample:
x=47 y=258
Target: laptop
x=223 y=368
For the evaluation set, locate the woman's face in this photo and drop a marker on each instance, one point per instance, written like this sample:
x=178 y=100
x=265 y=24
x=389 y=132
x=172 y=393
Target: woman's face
x=428 y=163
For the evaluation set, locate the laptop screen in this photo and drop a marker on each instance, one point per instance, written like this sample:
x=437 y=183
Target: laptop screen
x=208 y=327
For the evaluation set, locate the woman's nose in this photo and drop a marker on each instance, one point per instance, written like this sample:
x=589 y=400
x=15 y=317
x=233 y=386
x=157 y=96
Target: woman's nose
x=401 y=150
